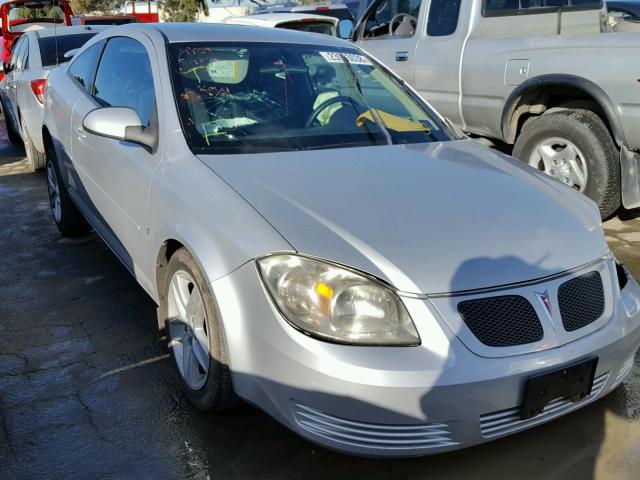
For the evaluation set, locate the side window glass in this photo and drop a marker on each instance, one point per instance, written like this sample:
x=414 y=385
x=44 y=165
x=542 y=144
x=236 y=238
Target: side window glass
x=17 y=50
x=495 y=8
x=393 y=18
x=443 y=17
x=84 y=66
x=23 y=58
x=124 y=77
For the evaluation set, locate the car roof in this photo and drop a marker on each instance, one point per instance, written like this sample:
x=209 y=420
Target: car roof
x=273 y=19
x=60 y=31
x=218 y=32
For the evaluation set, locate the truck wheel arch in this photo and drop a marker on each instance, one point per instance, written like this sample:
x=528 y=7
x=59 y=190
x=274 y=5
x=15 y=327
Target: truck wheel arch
x=537 y=86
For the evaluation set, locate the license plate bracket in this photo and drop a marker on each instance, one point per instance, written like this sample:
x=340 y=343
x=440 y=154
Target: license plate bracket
x=572 y=381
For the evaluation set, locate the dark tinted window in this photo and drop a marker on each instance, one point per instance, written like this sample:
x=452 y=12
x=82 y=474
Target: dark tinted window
x=517 y=7
x=109 y=21
x=52 y=49
x=124 y=77
x=84 y=65
x=443 y=17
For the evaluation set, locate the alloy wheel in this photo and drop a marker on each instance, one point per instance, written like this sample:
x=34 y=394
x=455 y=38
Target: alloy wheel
x=187 y=323
x=54 y=192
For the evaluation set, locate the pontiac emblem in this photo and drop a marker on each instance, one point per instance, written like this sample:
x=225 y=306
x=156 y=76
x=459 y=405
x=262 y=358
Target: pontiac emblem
x=546 y=301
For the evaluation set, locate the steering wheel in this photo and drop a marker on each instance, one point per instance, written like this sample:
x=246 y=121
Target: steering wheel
x=342 y=99
x=412 y=19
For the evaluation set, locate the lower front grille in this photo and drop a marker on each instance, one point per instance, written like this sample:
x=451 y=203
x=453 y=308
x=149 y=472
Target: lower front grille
x=581 y=301
x=508 y=421
x=372 y=435
x=502 y=321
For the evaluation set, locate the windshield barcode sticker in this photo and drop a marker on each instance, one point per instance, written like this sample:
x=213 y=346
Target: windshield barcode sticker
x=336 y=57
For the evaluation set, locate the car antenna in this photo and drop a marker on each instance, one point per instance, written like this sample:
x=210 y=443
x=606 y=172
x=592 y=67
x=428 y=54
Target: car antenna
x=55 y=33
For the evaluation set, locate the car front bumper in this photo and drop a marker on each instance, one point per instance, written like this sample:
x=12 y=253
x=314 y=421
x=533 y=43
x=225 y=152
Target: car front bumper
x=407 y=401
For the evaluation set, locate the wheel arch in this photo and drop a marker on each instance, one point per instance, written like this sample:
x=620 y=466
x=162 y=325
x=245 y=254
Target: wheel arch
x=47 y=139
x=537 y=95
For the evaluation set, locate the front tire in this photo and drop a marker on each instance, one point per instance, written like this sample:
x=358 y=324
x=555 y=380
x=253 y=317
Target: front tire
x=196 y=336
x=37 y=160
x=66 y=215
x=575 y=147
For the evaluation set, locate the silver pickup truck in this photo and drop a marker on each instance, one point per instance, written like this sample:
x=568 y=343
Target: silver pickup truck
x=545 y=76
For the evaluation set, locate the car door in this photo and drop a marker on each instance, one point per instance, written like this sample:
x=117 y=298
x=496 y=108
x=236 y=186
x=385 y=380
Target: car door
x=388 y=31
x=437 y=57
x=74 y=157
x=15 y=65
x=122 y=170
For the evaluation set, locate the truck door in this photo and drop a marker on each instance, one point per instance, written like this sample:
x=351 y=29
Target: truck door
x=438 y=54
x=389 y=32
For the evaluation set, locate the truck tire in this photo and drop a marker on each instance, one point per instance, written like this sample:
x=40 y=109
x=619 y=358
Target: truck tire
x=195 y=335
x=576 y=147
x=66 y=215
x=36 y=159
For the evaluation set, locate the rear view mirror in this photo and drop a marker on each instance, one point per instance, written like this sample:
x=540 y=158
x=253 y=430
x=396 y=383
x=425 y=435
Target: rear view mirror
x=345 y=28
x=120 y=123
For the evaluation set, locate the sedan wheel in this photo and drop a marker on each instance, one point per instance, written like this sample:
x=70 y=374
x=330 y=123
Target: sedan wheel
x=196 y=340
x=188 y=329
x=54 y=192
x=561 y=159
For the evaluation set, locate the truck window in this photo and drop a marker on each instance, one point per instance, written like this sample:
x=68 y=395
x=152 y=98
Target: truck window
x=443 y=17
x=392 y=18
x=496 y=8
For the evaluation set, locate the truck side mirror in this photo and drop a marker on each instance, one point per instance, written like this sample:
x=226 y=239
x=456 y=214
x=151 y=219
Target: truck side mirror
x=345 y=28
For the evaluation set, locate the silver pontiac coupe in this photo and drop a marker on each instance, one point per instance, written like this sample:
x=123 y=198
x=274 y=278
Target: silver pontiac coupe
x=324 y=245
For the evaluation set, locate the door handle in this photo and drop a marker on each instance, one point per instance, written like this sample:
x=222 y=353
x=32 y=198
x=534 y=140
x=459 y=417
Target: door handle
x=12 y=85
x=402 y=56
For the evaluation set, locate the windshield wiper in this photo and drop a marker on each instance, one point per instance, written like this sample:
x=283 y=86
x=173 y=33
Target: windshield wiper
x=374 y=114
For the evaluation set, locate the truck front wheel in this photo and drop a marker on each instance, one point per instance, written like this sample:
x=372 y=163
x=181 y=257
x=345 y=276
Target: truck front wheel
x=575 y=147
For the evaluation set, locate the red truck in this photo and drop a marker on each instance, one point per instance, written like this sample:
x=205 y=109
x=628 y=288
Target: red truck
x=19 y=16
x=146 y=12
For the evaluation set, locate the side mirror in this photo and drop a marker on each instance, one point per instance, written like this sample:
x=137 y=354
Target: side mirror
x=345 y=28
x=70 y=54
x=120 y=123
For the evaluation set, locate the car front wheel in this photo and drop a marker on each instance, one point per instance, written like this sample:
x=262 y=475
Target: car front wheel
x=575 y=147
x=195 y=335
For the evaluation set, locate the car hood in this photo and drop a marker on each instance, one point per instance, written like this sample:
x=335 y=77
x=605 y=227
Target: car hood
x=428 y=218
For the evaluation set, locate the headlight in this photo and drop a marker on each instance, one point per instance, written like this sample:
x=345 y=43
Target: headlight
x=336 y=304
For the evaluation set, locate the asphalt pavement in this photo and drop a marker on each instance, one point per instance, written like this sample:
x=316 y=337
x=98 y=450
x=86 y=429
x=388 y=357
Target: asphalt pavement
x=88 y=392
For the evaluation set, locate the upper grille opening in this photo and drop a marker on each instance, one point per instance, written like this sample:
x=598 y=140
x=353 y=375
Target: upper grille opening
x=502 y=321
x=581 y=301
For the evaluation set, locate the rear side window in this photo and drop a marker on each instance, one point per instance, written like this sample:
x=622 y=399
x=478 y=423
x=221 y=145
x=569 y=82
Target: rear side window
x=124 y=77
x=84 y=66
x=23 y=58
x=52 y=49
x=443 y=17
x=17 y=46
x=496 y=8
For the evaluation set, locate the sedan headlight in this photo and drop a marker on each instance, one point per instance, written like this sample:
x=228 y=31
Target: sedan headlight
x=336 y=304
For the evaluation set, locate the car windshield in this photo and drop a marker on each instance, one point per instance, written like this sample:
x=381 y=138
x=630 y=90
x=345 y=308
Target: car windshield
x=34 y=12
x=257 y=97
